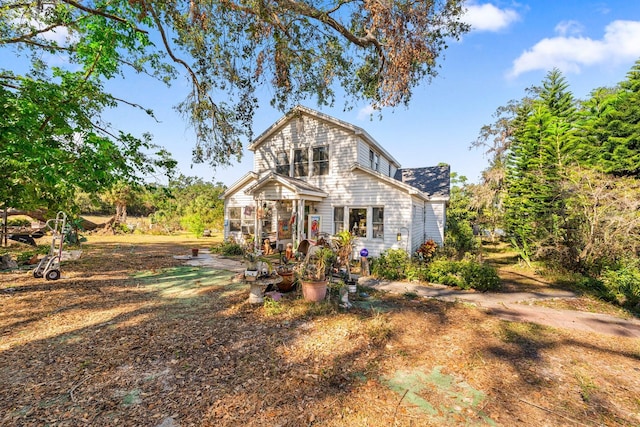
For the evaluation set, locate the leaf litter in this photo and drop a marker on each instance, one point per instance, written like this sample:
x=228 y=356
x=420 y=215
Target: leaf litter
x=130 y=336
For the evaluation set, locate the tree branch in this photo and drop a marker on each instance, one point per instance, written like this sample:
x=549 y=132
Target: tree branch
x=103 y=14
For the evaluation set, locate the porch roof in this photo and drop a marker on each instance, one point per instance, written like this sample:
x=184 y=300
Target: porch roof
x=300 y=188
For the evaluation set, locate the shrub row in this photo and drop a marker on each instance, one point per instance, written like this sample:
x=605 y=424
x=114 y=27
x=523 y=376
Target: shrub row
x=395 y=264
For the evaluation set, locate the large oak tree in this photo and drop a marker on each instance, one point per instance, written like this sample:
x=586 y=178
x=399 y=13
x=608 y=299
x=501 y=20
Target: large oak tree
x=373 y=50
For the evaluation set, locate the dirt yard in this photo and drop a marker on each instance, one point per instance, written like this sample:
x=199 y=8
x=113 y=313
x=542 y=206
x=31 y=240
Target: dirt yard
x=130 y=337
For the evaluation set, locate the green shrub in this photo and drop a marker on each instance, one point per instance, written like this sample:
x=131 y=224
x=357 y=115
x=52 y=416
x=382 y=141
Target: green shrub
x=445 y=272
x=391 y=264
x=194 y=224
x=228 y=249
x=622 y=285
x=417 y=271
x=479 y=276
x=467 y=274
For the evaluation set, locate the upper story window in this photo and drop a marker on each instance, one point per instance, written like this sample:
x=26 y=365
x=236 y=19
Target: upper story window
x=301 y=162
x=282 y=163
x=374 y=160
x=320 y=160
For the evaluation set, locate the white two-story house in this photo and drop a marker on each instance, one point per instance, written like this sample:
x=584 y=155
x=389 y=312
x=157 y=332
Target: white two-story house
x=316 y=175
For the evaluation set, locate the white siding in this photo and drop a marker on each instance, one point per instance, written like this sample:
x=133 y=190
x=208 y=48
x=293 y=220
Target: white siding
x=305 y=132
x=435 y=221
x=418 y=229
x=415 y=220
x=360 y=190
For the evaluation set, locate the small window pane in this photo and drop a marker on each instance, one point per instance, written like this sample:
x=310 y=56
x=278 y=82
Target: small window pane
x=338 y=219
x=358 y=222
x=321 y=160
x=378 y=223
x=234 y=219
x=300 y=163
x=282 y=163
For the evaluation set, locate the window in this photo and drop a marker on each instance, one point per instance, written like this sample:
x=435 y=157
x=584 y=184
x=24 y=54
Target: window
x=249 y=220
x=321 y=160
x=358 y=222
x=377 y=223
x=374 y=160
x=301 y=162
x=338 y=219
x=234 y=219
x=282 y=163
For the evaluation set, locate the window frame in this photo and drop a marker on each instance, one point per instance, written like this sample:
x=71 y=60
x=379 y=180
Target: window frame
x=283 y=168
x=377 y=226
x=358 y=231
x=233 y=219
x=321 y=164
x=302 y=163
x=338 y=219
x=374 y=160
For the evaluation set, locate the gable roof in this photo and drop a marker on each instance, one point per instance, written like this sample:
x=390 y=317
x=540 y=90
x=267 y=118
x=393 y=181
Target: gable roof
x=298 y=186
x=434 y=180
x=244 y=180
x=299 y=109
x=391 y=181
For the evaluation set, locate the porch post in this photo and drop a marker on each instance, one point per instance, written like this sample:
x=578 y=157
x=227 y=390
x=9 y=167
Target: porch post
x=257 y=227
x=300 y=219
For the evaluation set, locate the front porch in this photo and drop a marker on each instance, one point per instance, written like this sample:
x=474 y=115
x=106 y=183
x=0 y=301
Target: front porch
x=284 y=212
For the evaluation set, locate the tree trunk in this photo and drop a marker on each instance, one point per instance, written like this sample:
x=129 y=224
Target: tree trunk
x=40 y=215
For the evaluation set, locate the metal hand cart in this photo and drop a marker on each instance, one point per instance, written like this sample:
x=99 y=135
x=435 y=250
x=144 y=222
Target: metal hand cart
x=49 y=266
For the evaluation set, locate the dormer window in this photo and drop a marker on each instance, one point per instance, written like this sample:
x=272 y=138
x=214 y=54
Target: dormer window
x=282 y=163
x=374 y=160
x=321 y=160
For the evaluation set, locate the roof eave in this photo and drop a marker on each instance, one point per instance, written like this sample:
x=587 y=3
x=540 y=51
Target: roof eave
x=239 y=184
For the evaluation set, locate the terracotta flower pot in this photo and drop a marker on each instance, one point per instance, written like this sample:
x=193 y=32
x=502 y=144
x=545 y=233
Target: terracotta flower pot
x=287 y=281
x=194 y=252
x=314 y=290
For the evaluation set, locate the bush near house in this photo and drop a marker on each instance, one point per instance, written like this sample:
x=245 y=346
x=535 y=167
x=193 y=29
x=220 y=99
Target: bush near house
x=395 y=264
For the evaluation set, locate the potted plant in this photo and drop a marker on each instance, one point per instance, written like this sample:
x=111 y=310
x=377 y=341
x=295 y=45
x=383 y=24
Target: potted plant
x=344 y=242
x=255 y=265
x=286 y=271
x=312 y=273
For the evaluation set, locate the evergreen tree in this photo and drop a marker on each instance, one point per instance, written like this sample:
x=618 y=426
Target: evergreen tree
x=619 y=152
x=543 y=144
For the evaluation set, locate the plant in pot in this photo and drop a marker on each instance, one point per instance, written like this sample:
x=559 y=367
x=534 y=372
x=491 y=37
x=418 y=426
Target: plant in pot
x=312 y=273
x=344 y=242
x=286 y=271
x=256 y=265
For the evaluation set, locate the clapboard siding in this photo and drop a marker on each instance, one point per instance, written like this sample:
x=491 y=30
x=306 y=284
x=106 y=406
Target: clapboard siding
x=406 y=214
x=305 y=132
x=434 y=221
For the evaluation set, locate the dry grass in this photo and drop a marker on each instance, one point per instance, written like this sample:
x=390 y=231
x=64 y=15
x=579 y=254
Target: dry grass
x=129 y=337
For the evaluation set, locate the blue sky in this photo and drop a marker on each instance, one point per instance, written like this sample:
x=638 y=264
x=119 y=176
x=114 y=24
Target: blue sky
x=512 y=46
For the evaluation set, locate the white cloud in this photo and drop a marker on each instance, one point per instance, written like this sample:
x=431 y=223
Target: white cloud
x=569 y=27
x=487 y=17
x=365 y=112
x=621 y=42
